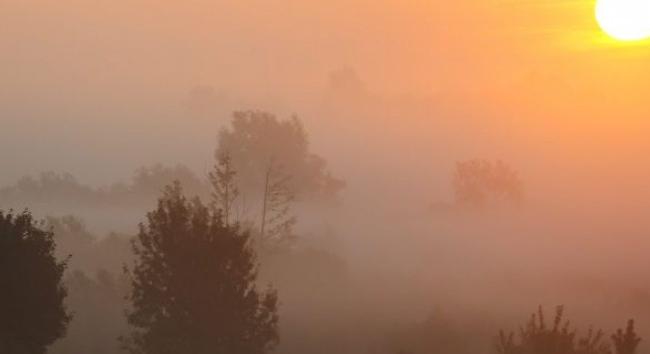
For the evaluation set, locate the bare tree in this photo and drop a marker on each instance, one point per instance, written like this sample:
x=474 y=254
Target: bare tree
x=277 y=222
x=224 y=186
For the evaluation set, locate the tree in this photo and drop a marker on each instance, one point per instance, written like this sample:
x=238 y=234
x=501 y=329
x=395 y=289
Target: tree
x=537 y=338
x=277 y=222
x=194 y=285
x=626 y=342
x=32 y=312
x=478 y=183
x=149 y=181
x=224 y=186
x=256 y=138
x=48 y=186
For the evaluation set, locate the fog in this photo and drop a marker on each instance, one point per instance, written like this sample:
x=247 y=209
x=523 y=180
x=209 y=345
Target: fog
x=392 y=95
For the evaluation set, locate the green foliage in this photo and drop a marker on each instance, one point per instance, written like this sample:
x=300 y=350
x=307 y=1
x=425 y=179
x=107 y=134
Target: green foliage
x=194 y=285
x=32 y=312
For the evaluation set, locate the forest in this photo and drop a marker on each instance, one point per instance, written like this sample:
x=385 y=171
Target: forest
x=318 y=177
x=243 y=260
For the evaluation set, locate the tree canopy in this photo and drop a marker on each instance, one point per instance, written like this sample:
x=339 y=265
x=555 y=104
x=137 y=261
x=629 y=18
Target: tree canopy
x=32 y=310
x=194 y=285
x=256 y=140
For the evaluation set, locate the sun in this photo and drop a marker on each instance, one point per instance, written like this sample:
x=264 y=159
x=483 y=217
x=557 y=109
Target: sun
x=625 y=20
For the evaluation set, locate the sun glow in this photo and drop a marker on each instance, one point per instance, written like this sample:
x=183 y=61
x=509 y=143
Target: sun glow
x=625 y=20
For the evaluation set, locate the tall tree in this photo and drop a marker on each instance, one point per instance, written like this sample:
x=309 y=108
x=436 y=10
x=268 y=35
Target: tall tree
x=32 y=312
x=276 y=225
x=194 y=285
x=224 y=187
x=255 y=138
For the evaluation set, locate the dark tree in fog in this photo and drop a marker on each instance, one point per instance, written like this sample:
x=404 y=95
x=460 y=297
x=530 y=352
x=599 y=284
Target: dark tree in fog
x=256 y=138
x=626 y=342
x=194 y=285
x=537 y=337
x=479 y=183
x=224 y=186
x=32 y=312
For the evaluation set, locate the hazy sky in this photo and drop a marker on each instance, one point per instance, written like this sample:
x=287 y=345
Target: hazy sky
x=98 y=88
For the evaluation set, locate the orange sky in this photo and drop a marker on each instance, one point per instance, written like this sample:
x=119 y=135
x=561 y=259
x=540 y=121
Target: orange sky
x=537 y=72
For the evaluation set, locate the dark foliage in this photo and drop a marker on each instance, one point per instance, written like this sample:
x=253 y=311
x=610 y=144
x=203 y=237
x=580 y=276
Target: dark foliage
x=32 y=312
x=626 y=342
x=536 y=337
x=194 y=285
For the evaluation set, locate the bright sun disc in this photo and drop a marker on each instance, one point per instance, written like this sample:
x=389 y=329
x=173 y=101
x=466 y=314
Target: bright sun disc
x=625 y=20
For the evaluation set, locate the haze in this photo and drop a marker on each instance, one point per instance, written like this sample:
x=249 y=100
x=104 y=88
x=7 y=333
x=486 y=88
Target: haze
x=393 y=95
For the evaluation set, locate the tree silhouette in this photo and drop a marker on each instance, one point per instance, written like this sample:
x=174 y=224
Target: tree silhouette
x=224 y=187
x=32 y=312
x=536 y=338
x=256 y=138
x=478 y=183
x=276 y=224
x=194 y=285
x=626 y=342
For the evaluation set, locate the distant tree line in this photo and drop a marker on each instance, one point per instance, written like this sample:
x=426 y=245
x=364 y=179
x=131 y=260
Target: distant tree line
x=271 y=157
x=192 y=283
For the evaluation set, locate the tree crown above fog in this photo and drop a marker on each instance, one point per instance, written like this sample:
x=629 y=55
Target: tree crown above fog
x=194 y=284
x=256 y=139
